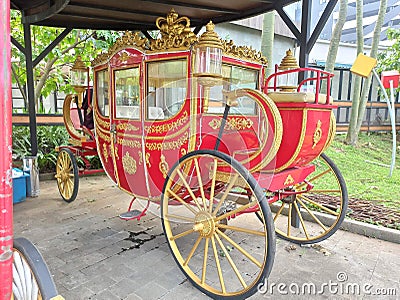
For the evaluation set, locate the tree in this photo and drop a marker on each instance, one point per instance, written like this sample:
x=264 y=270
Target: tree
x=267 y=39
x=335 y=40
x=351 y=134
x=50 y=74
x=358 y=114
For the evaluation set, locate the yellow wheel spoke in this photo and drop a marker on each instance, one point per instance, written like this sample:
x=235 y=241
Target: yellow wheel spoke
x=182 y=234
x=301 y=220
x=314 y=178
x=235 y=211
x=63 y=188
x=221 y=279
x=235 y=269
x=172 y=216
x=203 y=197
x=189 y=189
x=214 y=175
x=234 y=228
x=319 y=205
x=203 y=273
x=279 y=211
x=196 y=244
x=234 y=244
x=228 y=189
x=312 y=215
x=181 y=201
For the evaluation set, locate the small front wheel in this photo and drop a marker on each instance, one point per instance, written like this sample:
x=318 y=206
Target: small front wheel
x=67 y=175
x=207 y=207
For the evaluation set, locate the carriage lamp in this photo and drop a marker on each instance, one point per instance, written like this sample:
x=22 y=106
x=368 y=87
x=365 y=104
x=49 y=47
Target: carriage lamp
x=79 y=77
x=207 y=64
x=288 y=82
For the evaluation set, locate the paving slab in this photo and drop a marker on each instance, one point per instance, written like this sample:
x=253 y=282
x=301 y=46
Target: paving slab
x=92 y=254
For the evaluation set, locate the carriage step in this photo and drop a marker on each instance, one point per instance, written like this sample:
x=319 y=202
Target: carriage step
x=132 y=214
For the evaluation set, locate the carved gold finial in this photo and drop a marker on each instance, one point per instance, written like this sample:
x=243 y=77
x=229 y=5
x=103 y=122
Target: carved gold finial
x=289 y=61
x=210 y=38
x=175 y=32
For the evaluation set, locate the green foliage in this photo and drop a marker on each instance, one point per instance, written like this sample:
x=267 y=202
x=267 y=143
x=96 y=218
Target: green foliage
x=365 y=168
x=87 y=43
x=48 y=138
x=390 y=58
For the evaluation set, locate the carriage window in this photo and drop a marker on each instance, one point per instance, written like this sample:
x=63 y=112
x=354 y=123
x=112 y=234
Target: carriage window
x=166 y=88
x=127 y=93
x=102 y=92
x=234 y=78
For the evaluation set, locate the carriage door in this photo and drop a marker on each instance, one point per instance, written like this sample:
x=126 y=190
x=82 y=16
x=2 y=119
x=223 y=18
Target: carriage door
x=126 y=126
x=167 y=118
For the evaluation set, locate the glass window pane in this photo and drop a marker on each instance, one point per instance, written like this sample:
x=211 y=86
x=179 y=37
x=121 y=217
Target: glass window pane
x=102 y=92
x=234 y=78
x=127 y=93
x=166 y=88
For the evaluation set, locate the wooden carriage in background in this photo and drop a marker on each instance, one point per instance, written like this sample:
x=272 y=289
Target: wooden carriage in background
x=193 y=125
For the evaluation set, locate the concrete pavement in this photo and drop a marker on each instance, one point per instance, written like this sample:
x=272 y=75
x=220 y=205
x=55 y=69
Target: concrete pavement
x=92 y=254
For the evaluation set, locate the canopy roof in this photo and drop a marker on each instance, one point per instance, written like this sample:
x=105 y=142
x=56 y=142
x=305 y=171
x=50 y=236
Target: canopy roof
x=136 y=14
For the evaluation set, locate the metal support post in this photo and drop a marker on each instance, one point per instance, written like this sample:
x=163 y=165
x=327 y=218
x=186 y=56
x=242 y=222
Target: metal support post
x=6 y=205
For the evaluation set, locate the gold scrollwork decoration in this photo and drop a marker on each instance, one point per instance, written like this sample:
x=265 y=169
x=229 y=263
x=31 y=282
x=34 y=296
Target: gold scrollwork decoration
x=175 y=33
x=129 y=143
x=102 y=135
x=129 y=164
x=147 y=157
x=127 y=127
x=167 y=127
x=116 y=152
x=105 y=152
x=232 y=124
x=317 y=134
x=170 y=145
x=128 y=39
x=243 y=52
x=183 y=151
x=101 y=122
x=163 y=166
x=289 y=180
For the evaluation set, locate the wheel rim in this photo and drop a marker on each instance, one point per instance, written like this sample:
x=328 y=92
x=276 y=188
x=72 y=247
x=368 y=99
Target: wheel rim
x=223 y=251
x=65 y=175
x=320 y=211
x=24 y=283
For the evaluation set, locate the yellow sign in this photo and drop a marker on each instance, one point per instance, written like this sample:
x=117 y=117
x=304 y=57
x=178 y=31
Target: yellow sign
x=363 y=65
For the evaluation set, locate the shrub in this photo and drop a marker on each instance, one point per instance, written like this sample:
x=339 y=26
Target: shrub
x=48 y=138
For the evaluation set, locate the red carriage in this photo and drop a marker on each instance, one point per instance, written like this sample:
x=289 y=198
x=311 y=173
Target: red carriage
x=191 y=124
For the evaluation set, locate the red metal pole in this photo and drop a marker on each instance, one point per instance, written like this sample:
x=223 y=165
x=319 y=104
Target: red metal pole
x=6 y=205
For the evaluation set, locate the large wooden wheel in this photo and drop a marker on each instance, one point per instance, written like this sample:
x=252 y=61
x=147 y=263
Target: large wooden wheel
x=31 y=277
x=207 y=208
x=314 y=215
x=67 y=175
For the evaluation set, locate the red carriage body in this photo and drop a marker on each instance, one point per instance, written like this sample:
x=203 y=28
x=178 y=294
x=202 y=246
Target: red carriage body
x=192 y=124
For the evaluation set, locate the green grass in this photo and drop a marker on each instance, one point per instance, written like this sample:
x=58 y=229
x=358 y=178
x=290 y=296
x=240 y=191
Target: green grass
x=362 y=168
